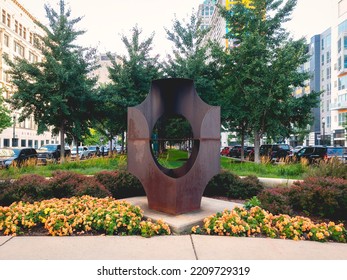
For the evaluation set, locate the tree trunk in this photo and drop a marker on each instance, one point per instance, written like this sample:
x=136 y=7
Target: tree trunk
x=257 y=137
x=110 y=147
x=62 y=143
x=242 y=145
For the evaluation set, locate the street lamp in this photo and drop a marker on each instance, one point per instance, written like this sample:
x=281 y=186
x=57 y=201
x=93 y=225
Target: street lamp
x=14 y=142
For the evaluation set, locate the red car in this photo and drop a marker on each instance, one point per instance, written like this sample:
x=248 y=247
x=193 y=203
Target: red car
x=225 y=151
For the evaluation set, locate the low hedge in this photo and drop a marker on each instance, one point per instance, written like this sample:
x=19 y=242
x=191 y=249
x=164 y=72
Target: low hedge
x=65 y=184
x=230 y=185
x=324 y=197
x=121 y=184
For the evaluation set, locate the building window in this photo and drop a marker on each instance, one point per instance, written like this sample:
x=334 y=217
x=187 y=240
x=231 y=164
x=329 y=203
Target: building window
x=24 y=33
x=328 y=57
x=342 y=82
x=30 y=143
x=345 y=61
x=42 y=142
x=31 y=38
x=14 y=142
x=342 y=118
x=345 y=42
x=6 y=142
x=36 y=146
x=47 y=141
x=16 y=26
x=322 y=44
x=7 y=77
x=339 y=45
x=32 y=57
x=328 y=73
x=6 y=40
x=20 y=30
x=19 y=49
x=339 y=63
x=3 y=16
x=23 y=143
x=322 y=59
x=8 y=20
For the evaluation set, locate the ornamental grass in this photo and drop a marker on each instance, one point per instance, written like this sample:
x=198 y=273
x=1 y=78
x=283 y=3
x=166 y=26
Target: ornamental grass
x=258 y=222
x=76 y=216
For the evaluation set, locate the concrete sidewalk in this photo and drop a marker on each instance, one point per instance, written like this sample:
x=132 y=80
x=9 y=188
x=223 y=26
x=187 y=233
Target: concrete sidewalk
x=181 y=247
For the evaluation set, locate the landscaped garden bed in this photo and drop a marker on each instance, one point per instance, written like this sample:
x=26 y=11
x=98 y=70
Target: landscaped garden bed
x=77 y=216
x=257 y=222
x=74 y=204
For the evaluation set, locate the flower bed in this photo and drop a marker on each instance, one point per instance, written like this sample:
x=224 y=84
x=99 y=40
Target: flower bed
x=78 y=215
x=258 y=222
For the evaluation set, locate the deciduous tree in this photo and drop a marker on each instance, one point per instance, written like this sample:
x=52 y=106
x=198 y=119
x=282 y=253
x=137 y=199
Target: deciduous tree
x=57 y=91
x=261 y=71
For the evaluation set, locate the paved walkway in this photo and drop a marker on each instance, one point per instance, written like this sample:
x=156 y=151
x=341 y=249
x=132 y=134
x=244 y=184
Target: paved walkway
x=174 y=247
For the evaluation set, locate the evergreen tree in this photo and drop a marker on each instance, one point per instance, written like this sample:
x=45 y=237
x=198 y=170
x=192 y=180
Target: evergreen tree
x=57 y=90
x=261 y=71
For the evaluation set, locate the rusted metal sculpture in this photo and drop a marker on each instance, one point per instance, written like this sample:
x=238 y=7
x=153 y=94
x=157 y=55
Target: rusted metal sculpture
x=174 y=191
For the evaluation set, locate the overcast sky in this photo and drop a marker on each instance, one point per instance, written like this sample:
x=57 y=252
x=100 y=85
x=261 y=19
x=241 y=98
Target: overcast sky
x=106 y=20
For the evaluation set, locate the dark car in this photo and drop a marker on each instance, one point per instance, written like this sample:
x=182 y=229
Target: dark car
x=236 y=151
x=317 y=153
x=50 y=153
x=17 y=156
x=275 y=151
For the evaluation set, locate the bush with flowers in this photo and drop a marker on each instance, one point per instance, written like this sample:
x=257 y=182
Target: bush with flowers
x=258 y=222
x=78 y=215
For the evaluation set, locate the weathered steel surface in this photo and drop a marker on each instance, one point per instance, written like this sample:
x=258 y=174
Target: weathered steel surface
x=174 y=191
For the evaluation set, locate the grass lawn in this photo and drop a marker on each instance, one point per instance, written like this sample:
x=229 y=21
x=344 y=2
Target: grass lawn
x=85 y=167
x=170 y=159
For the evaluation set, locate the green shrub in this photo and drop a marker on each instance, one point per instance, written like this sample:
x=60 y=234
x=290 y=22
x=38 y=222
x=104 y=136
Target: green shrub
x=221 y=183
x=67 y=184
x=320 y=196
x=323 y=197
x=6 y=193
x=120 y=184
x=276 y=200
x=232 y=186
x=28 y=188
x=246 y=187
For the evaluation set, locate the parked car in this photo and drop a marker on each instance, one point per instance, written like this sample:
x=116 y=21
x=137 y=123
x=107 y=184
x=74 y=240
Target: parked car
x=297 y=148
x=94 y=151
x=83 y=152
x=50 y=153
x=275 y=151
x=225 y=151
x=236 y=151
x=316 y=153
x=17 y=156
x=104 y=150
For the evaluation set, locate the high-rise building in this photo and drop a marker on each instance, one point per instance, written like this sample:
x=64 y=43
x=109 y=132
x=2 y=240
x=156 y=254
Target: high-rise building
x=17 y=29
x=338 y=108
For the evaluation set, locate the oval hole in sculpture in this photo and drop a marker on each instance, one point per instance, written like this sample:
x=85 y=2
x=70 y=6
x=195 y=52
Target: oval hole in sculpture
x=172 y=144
